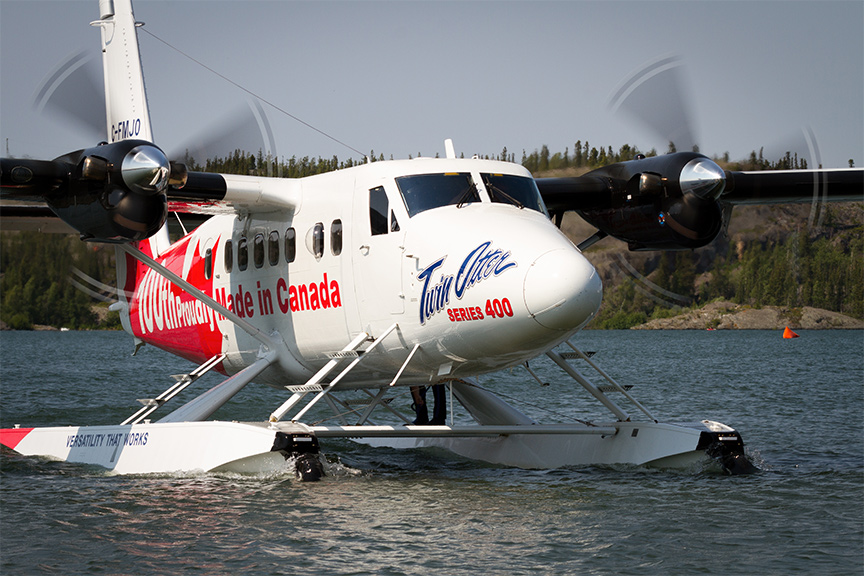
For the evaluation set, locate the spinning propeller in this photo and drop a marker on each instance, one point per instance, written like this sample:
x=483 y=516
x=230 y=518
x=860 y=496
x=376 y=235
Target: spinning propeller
x=109 y=193
x=681 y=200
x=115 y=192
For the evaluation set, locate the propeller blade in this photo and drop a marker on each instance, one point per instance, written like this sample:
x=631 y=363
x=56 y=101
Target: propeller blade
x=247 y=129
x=801 y=147
x=73 y=92
x=655 y=95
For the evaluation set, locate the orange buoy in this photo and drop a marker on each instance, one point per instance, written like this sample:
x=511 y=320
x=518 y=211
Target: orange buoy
x=787 y=333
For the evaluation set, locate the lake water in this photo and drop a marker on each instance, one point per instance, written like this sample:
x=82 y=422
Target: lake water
x=797 y=403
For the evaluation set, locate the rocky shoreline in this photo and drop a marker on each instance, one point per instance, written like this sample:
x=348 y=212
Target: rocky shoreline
x=723 y=315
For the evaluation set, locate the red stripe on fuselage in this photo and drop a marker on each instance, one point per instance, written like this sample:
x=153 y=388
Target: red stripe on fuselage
x=165 y=316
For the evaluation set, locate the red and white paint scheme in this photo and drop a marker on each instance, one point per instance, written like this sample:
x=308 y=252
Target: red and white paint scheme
x=389 y=274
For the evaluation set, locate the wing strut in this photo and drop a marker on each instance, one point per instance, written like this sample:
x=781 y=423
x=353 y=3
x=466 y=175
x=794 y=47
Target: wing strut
x=617 y=387
x=594 y=390
x=152 y=404
x=207 y=403
x=591 y=240
x=250 y=329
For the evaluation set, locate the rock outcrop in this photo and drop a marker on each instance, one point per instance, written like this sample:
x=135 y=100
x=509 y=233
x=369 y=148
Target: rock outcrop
x=723 y=315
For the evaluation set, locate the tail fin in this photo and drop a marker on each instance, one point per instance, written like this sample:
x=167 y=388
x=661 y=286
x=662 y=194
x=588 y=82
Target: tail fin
x=127 y=113
x=125 y=97
x=127 y=116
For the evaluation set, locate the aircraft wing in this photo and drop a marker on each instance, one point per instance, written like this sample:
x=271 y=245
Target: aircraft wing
x=210 y=194
x=794 y=186
x=31 y=217
x=124 y=191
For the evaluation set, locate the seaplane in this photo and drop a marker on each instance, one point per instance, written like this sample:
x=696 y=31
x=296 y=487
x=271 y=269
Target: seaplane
x=385 y=278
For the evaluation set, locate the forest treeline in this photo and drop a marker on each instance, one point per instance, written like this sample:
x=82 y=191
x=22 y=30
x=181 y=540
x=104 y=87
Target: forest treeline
x=36 y=288
x=583 y=155
x=807 y=268
x=816 y=266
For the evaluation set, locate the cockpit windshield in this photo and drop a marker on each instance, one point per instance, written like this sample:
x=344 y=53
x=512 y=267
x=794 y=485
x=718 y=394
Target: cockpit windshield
x=426 y=191
x=516 y=190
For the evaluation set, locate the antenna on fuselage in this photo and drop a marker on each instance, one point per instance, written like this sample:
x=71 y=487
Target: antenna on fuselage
x=449 y=150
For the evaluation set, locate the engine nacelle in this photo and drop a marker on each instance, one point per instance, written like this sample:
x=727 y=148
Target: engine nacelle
x=661 y=203
x=115 y=192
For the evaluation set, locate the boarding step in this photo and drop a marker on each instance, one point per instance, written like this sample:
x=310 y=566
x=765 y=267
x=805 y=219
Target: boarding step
x=607 y=388
x=344 y=354
x=366 y=401
x=350 y=351
x=575 y=356
x=305 y=388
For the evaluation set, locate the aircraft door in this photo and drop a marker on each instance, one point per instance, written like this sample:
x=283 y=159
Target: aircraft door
x=378 y=255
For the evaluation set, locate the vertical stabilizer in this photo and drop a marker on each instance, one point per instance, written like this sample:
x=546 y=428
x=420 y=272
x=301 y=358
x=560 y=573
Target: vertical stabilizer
x=127 y=113
x=125 y=96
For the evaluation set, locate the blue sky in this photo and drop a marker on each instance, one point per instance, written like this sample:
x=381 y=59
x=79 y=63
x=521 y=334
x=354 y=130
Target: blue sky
x=400 y=77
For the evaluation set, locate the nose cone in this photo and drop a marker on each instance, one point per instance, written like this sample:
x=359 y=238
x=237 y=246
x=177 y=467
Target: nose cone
x=703 y=178
x=562 y=290
x=145 y=169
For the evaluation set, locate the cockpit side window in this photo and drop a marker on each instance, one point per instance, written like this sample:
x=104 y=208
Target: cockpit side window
x=426 y=191
x=378 y=207
x=517 y=190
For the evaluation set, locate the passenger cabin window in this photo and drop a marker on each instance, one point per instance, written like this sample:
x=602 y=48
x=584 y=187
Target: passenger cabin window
x=258 y=250
x=378 y=208
x=517 y=190
x=318 y=240
x=336 y=237
x=242 y=254
x=273 y=248
x=290 y=245
x=208 y=264
x=426 y=191
x=229 y=256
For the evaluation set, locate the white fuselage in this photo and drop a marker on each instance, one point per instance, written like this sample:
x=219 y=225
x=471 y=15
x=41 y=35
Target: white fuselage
x=478 y=285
